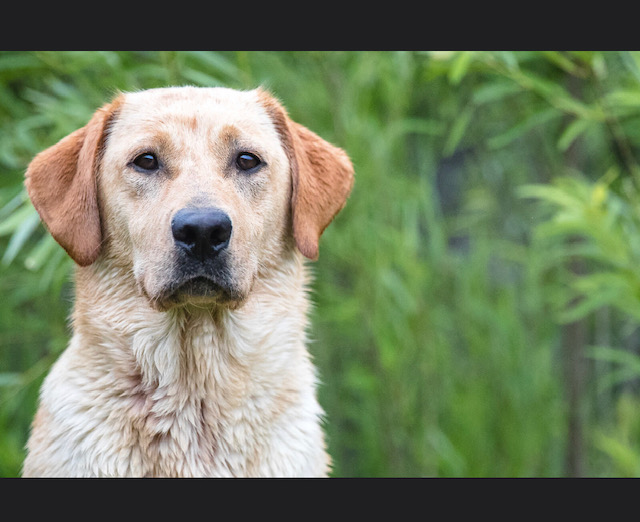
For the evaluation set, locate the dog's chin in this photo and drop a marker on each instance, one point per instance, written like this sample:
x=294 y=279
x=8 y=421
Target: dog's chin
x=199 y=291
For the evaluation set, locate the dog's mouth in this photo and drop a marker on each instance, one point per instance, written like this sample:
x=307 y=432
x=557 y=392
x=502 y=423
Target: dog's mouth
x=185 y=282
x=200 y=290
x=200 y=286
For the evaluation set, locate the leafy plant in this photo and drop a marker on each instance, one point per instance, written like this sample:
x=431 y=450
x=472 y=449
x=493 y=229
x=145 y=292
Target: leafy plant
x=600 y=228
x=480 y=225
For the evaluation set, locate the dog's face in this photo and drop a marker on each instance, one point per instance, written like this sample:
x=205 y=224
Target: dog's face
x=196 y=190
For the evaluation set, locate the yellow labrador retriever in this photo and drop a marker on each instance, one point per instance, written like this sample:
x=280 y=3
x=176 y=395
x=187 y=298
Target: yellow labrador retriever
x=188 y=212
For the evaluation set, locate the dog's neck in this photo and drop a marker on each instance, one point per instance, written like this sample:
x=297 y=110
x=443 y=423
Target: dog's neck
x=192 y=348
x=190 y=391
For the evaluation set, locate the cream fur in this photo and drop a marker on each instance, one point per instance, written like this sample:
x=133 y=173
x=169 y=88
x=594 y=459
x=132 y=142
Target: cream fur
x=201 y=388
x=187 y=392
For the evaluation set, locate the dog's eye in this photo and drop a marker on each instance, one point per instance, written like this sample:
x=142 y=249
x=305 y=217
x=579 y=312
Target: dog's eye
x=247 y=161
x=146 y=161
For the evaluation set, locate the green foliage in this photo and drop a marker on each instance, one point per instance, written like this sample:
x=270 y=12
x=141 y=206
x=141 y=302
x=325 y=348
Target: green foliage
x=601 y=228
x=597 y=225
x=495 y=202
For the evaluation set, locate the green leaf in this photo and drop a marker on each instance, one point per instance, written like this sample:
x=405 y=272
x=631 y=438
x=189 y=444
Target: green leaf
x=13 y=204
x=623 y=98
x=20 y=236
x=551 y=194
x=199 y=78
x=572 y=132
x=458 y=131
x=597 y=291
x=557 y=96
x=616 y=355
x=41 y=253
x=460 y=66
x=417 y=126
x=616 y=378
x=622 y=453
x=10 y=378
x=15 y=220
x=495 y=92
x=212 y=61
x=561 y=61
x=16 y=63
x=518 y=130
x=631 y=60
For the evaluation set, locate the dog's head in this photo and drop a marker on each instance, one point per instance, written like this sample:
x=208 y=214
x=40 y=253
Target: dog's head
x=195 y=189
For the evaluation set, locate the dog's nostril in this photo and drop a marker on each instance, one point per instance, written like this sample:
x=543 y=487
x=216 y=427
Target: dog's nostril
x=219 y=236
x=202 y=232
x=184 y=233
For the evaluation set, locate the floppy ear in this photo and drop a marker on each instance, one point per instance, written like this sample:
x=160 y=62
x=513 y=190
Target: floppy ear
x=61 y=182
x=322 y=177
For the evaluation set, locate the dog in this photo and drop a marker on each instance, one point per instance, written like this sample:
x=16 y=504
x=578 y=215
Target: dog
x=190 y=213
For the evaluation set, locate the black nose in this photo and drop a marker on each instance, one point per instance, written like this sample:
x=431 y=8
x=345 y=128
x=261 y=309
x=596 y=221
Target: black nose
x=202 y=232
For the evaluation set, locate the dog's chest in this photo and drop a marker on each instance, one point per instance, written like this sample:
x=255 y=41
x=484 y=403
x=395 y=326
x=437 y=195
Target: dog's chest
x=204 y=415
x=193 y=440
x=263 y=434
x=182 y=398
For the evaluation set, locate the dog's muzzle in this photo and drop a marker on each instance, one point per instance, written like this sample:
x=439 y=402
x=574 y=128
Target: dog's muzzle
x=201 y=272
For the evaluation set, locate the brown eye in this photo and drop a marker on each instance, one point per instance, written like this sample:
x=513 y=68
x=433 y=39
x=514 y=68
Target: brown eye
x=247 y=161
x=146 y=162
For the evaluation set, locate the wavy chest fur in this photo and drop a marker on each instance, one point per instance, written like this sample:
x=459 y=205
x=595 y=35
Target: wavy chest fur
x=189 y=392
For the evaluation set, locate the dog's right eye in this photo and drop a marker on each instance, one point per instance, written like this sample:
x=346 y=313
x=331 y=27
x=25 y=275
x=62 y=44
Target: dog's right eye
x=146 y=162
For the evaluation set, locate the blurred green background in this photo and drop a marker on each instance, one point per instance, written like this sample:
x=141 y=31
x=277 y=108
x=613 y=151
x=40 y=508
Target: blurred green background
x=477 y=302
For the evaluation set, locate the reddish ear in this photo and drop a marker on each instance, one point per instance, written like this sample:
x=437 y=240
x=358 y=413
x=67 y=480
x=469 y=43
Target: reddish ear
x=322 y=177
x=61 y=182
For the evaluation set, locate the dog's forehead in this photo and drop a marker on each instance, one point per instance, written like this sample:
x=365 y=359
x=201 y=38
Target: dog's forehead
x=195 y=107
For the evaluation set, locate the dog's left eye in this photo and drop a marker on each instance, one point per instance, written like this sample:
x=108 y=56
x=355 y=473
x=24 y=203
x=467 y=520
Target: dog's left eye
x=146 y=161
x=247 y=161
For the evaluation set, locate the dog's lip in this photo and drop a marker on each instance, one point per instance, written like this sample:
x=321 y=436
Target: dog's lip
x=199 y=289
x=198 y=286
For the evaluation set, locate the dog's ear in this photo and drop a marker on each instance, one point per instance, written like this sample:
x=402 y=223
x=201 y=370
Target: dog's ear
x=61 y=182
x=322 y=177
